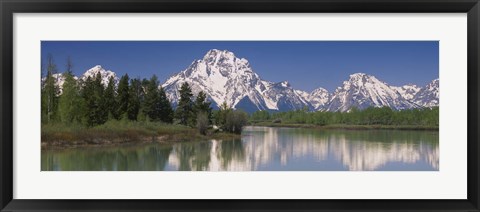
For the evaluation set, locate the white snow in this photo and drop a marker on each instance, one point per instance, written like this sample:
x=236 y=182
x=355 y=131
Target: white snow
x=363 y=90
x=226 y=78
x=92 y=73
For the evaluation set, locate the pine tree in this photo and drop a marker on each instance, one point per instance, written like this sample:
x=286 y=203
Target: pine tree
x=221 y=115
x=166 y=111
x=184 y=112
x=136 y=96
x=151 y=106
x=110 y=99
x=69 y=66
x=70 y=102
x=202 y=106
x=100 y=110
x=123 y=96
x=93 y=94
x=50 y=92
x=88 y=98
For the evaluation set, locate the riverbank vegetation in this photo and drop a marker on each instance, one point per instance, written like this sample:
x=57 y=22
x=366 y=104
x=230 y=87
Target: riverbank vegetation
x=98 y=110
x=370 y=118
x=92 y=110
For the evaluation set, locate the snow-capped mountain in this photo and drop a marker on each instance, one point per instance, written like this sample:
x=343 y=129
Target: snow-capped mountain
x=408 y=91
x=362 y=91
x=104 y=73
x=428 y=96
x=319 y=98
x=284 y=97
x=59 y=80
x=226 y=78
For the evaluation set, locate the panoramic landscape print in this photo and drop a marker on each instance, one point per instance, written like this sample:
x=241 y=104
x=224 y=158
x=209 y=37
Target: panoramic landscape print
x=239 y=106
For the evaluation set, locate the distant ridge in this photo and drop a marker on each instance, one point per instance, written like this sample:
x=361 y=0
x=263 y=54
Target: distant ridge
x=227 y=78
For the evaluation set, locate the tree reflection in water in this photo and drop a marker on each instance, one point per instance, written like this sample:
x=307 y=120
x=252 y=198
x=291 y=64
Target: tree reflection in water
x=265 y=148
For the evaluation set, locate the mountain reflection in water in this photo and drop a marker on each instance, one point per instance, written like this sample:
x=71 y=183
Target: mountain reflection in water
x=265 y=149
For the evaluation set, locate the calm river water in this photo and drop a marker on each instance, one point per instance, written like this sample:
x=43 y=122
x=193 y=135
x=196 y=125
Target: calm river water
x=264 y=149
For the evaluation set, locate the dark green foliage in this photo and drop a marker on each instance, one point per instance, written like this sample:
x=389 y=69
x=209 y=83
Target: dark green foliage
x=220 y=116
x=202 y=123
x=50 y=92
x=90 y=103
x=201 y=105
x=230 y=120
x=136 y=95
x=123 y=96
x=70 y=102
x=369 y=116
x=151 y=106
x=156 y=105
x=235 y=120
x=93 y=93
x=260 y=115
x=166 y=111
x=110 y=99
x=69 y=66
x=184 y=112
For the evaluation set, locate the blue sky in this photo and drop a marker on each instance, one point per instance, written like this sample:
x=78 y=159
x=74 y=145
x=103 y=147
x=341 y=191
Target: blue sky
x=305 y=64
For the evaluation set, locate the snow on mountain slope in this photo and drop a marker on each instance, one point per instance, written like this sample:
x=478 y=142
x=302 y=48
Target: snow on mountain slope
x=362 y=91
x=59 y=80
x=286 y=97
x=407 y=91
x=226 y=78
x=429 y=95
x=319 y=98
x=104 y=73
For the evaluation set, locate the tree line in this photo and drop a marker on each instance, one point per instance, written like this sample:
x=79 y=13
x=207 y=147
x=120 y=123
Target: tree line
x=368 y=116
x=91 y=103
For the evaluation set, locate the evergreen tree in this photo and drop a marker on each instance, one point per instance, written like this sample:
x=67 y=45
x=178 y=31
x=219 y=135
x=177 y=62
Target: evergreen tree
x=100 y=110
x=166 y=111
x=93 y=93
x=70 y=102
x=136 y=96
x=221 y=114
x=184 y=112
x=87 y=95
x=110 y=99
x=202 y=105
x=123 y=96
x=151 y=106
x=49 y=93
x=69 y=66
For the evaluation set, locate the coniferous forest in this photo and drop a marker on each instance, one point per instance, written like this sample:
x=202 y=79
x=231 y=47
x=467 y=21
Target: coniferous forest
x=240 y=106
x=385 y=117
x=131 y=108
x=135 y=108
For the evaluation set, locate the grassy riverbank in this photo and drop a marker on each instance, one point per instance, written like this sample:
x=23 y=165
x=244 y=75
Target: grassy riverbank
x=122 y=132
x=346 y=126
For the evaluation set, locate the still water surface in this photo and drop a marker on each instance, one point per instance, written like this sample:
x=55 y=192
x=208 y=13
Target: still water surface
x=264 y=149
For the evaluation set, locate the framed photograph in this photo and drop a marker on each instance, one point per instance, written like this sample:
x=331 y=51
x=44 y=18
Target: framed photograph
x=254 y=106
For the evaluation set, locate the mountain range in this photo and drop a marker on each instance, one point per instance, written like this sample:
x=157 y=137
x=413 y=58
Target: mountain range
x=227 y=78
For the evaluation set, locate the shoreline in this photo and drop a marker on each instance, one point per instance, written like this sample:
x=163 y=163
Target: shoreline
x=58 y=138
x=348 y=127
x=54 y=137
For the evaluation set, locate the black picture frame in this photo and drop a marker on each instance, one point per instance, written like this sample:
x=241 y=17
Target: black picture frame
x=9 y=7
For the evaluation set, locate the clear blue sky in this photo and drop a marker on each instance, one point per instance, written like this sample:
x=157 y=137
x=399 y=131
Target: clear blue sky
x=305 y=64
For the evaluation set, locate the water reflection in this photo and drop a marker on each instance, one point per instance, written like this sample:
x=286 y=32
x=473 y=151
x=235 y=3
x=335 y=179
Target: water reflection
x=265 y=148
